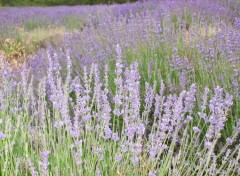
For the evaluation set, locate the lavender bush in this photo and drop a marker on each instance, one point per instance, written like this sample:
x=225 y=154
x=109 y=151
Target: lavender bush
x=45 y=130
x=146 y=88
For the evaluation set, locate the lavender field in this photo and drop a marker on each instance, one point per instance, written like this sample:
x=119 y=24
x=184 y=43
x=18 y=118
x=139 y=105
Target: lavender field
x=138 y=89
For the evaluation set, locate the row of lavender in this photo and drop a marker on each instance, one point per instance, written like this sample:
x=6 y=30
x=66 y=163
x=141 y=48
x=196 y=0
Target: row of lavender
x=189 y=36
x=142 y=91
x=29 y=18
x=75 y=127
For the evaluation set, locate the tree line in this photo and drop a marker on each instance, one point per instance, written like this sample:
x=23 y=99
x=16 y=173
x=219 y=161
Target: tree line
x=58 y=2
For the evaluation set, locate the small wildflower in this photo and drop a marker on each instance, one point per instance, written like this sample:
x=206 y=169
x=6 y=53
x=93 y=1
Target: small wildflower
x=118 y=158
x=115 y=137
x=152 y=173
x=208 y=144
x=32 y=168
x=198 y=154
x=229 y=141
x=135 y=160
x=2 y=135
x=189 y=118
x=196 y=129
x=44 y=162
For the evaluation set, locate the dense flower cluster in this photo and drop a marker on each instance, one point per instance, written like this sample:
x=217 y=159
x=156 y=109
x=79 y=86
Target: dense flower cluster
x=146 y=88
x=78 y=112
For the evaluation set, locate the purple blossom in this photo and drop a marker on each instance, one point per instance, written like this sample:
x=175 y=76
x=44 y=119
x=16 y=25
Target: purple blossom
x=229 y=141
x=32 y=169
x=152 y=173
x=208 y=144
x=135 y=160
x=44 y=162
x=2 y=135
x=196 y=129
x=115 y=137
x=61 y=97
x=118 y=158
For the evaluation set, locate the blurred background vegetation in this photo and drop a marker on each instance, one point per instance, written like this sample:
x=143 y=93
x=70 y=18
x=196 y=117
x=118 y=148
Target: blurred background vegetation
x=58 y=2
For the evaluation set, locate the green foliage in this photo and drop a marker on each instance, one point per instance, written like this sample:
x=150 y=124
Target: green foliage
x=58 y=2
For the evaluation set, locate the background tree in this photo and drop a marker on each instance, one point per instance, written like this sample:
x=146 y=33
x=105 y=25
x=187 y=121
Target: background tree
x=58 y=2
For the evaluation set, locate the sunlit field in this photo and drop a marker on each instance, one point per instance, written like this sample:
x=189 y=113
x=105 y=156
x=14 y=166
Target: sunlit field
x=138 y=89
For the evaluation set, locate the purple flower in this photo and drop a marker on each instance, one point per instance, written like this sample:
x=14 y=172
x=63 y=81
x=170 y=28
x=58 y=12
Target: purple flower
x=118 y=158
x=115 y=137
x=183 y=80
x=190 y=99
x=189 y=118
x=208 y=144
x=219 y=106
x=77 y=156
x=135 y=160
x=229 y=141
x=44 y=162
x=2 y=135
x=118 y=51
x=196 y=129
x=152 y=173
x=32 y=169
x=198 y=154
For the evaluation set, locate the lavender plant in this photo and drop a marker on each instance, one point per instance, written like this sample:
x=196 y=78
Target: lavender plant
x=135 y=89
x=54 y=133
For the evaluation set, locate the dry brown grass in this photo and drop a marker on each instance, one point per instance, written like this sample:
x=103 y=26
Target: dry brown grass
x=16 y=51
x=42 y=37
